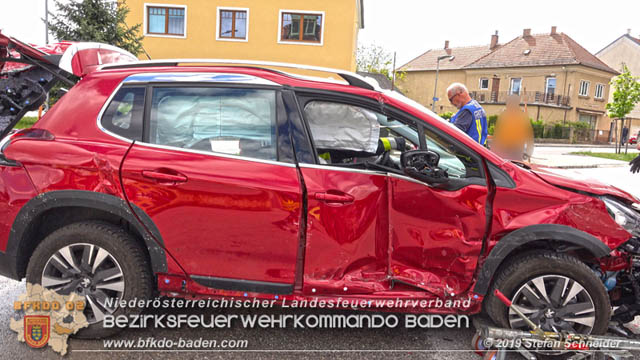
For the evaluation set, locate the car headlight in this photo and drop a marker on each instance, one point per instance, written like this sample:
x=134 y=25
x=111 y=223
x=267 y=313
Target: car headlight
x=623 y=215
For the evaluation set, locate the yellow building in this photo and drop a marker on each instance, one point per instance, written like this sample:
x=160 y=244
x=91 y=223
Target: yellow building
x=558 y=79
x=312 y=32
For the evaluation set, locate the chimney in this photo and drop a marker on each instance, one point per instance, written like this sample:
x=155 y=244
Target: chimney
x=628 y=31
x=446 y=44
x=526 y=32
x=554 y=30
x=494 y=41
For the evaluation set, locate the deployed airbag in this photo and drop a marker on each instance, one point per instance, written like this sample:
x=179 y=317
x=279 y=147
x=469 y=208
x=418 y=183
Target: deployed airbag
x=337 y=126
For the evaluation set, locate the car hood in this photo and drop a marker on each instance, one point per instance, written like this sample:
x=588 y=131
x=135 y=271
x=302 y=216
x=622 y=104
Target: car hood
x=583 y=184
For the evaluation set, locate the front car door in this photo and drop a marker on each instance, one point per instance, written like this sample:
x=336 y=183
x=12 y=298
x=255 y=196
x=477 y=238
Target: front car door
x=382 y=228
x=216 y=175
x=437 y=231
x=347 y=235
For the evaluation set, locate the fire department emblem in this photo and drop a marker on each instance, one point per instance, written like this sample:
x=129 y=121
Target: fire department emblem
x=42 y=317
x=36 y=330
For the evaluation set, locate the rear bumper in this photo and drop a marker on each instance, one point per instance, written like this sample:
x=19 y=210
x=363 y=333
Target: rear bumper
x=8 y=266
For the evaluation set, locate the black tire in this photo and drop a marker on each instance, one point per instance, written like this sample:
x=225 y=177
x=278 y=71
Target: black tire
x=130 y=256
x=519 y=271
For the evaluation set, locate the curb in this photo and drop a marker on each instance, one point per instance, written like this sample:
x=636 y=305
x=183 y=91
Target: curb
x=631 y=147
x=581 y=166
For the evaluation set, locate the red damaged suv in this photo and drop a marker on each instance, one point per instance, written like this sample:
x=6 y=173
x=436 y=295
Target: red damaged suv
x=194 y=178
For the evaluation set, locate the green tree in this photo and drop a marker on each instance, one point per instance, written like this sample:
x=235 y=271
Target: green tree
x=95 y=20
x=374 y=58
x=625 y=96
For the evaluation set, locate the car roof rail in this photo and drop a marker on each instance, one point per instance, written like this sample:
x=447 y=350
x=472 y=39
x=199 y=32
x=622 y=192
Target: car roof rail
x=351 y=78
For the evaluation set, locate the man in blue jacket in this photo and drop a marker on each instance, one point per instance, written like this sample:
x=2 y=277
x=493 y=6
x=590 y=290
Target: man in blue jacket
x=471 y=117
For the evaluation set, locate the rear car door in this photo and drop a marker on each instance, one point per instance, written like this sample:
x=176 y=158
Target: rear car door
x=216 y=175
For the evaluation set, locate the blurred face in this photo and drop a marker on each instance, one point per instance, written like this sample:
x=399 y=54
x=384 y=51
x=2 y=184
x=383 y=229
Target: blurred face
x=456 y=99
x=513 y=103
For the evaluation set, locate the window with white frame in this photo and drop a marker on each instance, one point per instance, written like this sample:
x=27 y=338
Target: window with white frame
x=301 y=27
x=550 y=89
x=484 y=84
x=516 y=84
x=165 y=20
x=584 y=88
x=599 y=94
x=233 y=24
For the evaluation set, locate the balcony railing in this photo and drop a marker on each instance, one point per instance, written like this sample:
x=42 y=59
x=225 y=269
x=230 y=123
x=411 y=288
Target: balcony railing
x=530 y=97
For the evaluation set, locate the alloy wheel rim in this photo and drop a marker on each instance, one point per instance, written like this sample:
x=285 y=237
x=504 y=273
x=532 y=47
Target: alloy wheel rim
x=87 y=270
x=555 y=303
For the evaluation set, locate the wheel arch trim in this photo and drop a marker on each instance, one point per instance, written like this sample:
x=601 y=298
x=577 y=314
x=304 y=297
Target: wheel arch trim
x=518 y=238
x=84 y=199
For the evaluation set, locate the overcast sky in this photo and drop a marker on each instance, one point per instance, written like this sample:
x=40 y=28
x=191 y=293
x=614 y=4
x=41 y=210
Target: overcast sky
x=21 y=19
x=410 y=27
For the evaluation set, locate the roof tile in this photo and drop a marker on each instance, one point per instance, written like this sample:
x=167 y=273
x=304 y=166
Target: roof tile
x=544 y=49
x=637 y=40
x=462 y=57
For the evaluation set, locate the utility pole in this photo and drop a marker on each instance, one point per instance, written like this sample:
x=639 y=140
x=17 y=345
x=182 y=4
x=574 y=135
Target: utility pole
x=393 y=73
x=46 y=41
x=46 y=22
x=435 y=89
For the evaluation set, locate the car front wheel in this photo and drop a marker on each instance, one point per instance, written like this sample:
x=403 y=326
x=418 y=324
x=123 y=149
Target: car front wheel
x=556 y=291
x=98 y=261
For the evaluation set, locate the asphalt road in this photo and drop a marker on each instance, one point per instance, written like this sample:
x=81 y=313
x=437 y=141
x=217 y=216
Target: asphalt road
x=382 y=343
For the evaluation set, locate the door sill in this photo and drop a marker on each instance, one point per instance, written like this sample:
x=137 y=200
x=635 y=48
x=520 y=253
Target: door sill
x=243 y=285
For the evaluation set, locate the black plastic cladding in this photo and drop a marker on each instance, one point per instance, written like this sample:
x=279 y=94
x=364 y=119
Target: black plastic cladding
x=77 y=198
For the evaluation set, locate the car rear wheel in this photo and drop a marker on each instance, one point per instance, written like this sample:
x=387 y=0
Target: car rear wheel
x=556 y=291
x=98 y=261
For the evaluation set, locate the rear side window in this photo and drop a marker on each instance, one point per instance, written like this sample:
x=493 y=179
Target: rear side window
x=220 y=120
x=125 y=112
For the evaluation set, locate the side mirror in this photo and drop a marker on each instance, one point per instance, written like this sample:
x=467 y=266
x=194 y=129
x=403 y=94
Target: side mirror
x=420 y=159
x=423 y=165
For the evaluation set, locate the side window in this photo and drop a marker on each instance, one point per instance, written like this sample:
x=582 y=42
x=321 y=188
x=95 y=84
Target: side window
x=353 y=136
x=349 y=134
x=220 y=120
x=458 y=163
x=124 y=114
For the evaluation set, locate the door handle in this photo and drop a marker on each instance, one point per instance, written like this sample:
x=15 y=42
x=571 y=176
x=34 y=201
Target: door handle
x=163 y=176
x=333 y=198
